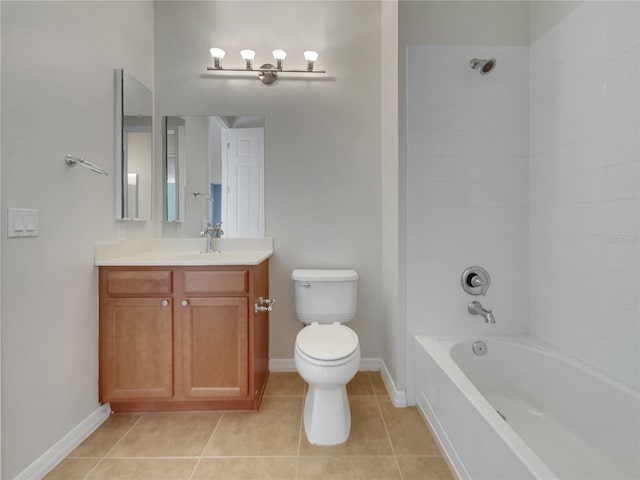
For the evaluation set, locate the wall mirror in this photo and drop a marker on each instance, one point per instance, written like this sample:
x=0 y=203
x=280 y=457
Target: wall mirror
x=214 y=172
x=134 y=109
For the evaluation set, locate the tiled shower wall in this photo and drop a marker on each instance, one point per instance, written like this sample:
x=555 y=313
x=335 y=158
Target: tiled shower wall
x=467 y=166
x=584 y=187
x=548 y=203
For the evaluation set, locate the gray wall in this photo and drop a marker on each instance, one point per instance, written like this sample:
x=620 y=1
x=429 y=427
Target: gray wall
x=393 y=328
x=58 y=60
x=322 y=137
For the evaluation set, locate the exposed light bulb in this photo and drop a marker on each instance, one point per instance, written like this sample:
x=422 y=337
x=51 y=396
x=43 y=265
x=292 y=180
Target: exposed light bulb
x=217 y=54
x=279 y=55
x=311 y=57
x=248 y=56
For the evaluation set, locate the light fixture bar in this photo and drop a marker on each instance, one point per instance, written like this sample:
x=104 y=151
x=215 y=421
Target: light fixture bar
x=267 y=73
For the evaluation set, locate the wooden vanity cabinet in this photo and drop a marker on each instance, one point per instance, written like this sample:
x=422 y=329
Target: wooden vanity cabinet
x=183 y=338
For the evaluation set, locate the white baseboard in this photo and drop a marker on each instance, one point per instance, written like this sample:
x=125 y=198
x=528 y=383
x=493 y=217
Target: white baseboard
x=282 y=365
x=49 y=459
x=398 y=397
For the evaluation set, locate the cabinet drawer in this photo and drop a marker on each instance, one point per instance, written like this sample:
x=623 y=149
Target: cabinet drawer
x=139 y=282
x=220 y=281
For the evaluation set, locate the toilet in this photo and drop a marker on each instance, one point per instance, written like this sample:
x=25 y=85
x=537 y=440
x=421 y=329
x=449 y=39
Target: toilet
x=327 y=353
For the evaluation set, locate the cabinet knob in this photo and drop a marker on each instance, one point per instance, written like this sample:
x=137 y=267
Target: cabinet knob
x=184 y=303
x=165 y=303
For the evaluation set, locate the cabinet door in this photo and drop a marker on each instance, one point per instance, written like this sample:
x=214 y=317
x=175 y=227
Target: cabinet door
x=136 y=348
x=214 y=335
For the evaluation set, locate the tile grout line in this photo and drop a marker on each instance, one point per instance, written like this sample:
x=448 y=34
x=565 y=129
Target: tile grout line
x=393 y=450
x=373 y=389
x=206 y=445
x=111 y=449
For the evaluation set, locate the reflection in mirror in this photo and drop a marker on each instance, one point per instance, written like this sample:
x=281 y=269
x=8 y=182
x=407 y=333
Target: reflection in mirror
x=214 y=172
x=132 y=194
x=134 y=106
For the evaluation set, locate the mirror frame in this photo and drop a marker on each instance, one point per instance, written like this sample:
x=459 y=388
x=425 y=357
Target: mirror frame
x=119 y=148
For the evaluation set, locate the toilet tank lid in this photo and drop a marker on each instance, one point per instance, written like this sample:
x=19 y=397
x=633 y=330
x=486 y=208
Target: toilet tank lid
x=324 y=275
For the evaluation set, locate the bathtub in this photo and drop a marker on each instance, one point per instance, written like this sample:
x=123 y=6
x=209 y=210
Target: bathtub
x=525 y=411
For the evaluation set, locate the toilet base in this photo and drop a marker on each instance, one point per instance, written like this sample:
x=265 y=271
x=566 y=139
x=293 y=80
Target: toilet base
x=327 y=417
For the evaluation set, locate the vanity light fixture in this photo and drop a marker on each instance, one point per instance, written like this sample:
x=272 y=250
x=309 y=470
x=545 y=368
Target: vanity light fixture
x=267 y=72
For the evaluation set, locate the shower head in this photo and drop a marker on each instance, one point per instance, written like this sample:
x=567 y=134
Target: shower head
x=485 y=65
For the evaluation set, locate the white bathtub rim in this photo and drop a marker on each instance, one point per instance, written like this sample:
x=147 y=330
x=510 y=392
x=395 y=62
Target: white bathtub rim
x=520 y=448
x=543 y=348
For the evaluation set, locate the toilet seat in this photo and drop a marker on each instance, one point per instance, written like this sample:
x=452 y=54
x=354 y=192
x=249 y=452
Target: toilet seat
x=327 y=344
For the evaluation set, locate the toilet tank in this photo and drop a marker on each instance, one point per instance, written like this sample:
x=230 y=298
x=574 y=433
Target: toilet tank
x=325 y=296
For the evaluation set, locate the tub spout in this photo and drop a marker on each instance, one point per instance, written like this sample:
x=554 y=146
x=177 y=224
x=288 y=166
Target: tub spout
x=476 y=308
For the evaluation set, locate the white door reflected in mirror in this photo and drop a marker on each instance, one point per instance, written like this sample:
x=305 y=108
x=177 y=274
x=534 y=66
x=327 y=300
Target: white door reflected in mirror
x=243 y=171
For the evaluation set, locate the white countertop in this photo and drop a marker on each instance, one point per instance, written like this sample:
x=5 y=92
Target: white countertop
x=182 y=252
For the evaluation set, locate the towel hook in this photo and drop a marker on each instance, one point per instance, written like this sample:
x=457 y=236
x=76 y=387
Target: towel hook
x=72 y=161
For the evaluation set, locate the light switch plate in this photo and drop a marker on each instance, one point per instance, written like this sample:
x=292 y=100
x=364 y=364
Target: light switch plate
x=23 y=222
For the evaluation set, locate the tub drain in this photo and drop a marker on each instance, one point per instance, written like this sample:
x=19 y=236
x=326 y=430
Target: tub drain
x=479 y=348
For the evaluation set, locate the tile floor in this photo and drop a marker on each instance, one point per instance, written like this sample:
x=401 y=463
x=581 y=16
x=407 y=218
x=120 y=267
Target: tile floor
x=385 y=442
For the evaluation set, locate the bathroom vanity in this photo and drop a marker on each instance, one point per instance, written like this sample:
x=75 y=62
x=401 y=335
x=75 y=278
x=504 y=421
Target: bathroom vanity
x=181 y=331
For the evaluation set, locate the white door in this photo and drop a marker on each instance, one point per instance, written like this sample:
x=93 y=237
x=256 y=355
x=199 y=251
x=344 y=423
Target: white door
x=244 y=175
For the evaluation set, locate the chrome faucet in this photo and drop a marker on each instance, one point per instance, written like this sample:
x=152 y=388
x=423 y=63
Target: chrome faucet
x=217 y=231
x=476 y=308
x=209 y=232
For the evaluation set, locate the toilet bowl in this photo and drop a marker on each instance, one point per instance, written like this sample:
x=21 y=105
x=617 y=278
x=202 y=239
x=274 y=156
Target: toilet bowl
x=327 y=357
x=326 y=353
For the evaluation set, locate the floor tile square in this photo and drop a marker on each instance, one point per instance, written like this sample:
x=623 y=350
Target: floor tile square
x=348 y=468
x=168 y=435
x=360 y=385
x=104 y=438
x=284 y=383
x=274 y=430
x=246 y=468
x=424 y=468
x=407 y=429
x=72 y=469
x=144 y=469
